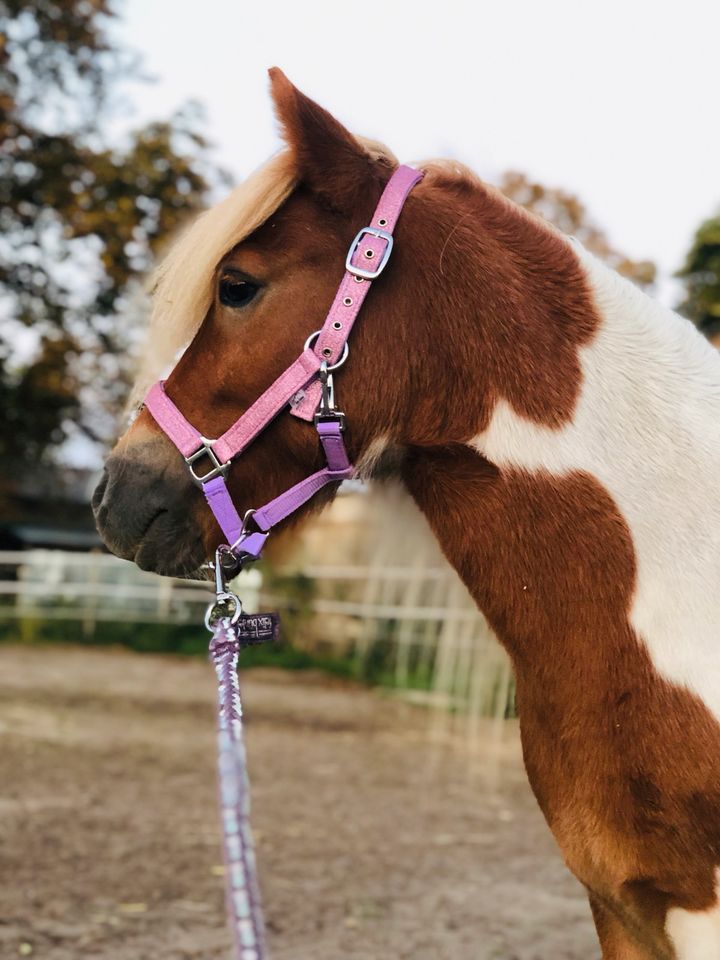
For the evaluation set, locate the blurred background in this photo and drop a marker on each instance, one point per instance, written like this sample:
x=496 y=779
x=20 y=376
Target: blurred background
x=391 y=806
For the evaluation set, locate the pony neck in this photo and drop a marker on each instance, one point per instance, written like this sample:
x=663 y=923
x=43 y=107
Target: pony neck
x=606 y=526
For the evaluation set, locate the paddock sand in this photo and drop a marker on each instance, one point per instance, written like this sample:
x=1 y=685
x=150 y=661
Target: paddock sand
x=381 y=832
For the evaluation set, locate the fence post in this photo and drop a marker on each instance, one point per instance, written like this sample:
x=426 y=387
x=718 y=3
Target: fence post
x=89 y=620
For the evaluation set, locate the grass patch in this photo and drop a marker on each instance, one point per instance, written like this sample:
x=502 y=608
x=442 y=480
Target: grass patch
x=180 y=639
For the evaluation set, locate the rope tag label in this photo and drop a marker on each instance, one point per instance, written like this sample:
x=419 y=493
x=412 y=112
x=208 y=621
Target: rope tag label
x=253 y=628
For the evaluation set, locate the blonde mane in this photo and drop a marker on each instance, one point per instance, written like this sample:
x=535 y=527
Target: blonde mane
x=182 y=285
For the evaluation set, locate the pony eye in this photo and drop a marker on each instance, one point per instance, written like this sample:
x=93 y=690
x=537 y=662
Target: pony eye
x=235 y=292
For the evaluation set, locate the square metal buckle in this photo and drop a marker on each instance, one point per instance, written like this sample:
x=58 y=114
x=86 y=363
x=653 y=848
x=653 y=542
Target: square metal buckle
x=335 y=416
x=361 y=271
x=206 y=450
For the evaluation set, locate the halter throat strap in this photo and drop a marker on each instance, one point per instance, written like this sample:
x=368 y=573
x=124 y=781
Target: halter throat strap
x=306 y=385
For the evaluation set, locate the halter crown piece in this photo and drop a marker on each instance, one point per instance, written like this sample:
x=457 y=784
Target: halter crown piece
x=307 y=386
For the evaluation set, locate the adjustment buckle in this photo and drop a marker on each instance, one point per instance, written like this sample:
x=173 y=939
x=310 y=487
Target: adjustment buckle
x=336 y=416
x=365 y=272
x=206 y=450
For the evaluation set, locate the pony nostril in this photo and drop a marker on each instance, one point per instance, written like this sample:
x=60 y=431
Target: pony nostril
x=132 y=502
x=99 y=492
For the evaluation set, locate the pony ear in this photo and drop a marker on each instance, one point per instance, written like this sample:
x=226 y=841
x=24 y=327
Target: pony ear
x=332 y=163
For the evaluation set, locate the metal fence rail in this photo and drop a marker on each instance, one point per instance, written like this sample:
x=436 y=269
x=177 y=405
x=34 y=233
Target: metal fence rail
x=418 y=620
x=97 y=587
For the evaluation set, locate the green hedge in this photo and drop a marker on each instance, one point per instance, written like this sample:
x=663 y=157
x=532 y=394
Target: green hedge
x=182 y=639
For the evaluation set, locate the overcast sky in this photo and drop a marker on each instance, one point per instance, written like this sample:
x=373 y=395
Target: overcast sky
x=616 y=101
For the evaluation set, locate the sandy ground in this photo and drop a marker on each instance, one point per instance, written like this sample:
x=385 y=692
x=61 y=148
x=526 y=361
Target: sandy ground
x=381 y=832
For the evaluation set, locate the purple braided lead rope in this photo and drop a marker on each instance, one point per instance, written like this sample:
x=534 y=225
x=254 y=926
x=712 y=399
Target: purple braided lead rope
x=241 y=883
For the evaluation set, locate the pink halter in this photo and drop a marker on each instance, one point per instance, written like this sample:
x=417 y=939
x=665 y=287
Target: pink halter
x=306 y=385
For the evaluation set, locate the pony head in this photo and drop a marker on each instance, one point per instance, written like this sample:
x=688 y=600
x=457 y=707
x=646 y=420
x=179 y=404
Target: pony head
x=255 y=276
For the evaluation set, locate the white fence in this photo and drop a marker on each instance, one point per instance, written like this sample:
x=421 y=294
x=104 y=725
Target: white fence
x=97 y=587
x=417 y=623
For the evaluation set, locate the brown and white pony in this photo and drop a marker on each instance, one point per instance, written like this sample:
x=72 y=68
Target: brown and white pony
x=560 y=431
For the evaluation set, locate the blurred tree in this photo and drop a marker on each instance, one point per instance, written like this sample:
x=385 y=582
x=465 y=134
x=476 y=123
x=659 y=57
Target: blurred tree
x=80 y=217
x=569 y=214
x=701 y=276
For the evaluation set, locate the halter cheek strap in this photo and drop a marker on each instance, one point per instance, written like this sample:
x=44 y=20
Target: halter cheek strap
x=306 y=385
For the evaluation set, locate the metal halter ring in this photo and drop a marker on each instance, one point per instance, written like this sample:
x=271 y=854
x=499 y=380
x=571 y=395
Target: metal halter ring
x=215 y=611
x=223 y=596
x=345 y=353
x=247 y=517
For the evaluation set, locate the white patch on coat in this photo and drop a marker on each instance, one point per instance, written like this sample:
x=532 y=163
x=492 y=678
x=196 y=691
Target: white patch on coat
x=647 y=427
x=695 y=934
x=369 y=459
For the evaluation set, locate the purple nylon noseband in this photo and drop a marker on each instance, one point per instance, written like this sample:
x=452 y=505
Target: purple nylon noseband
x=306 y=385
